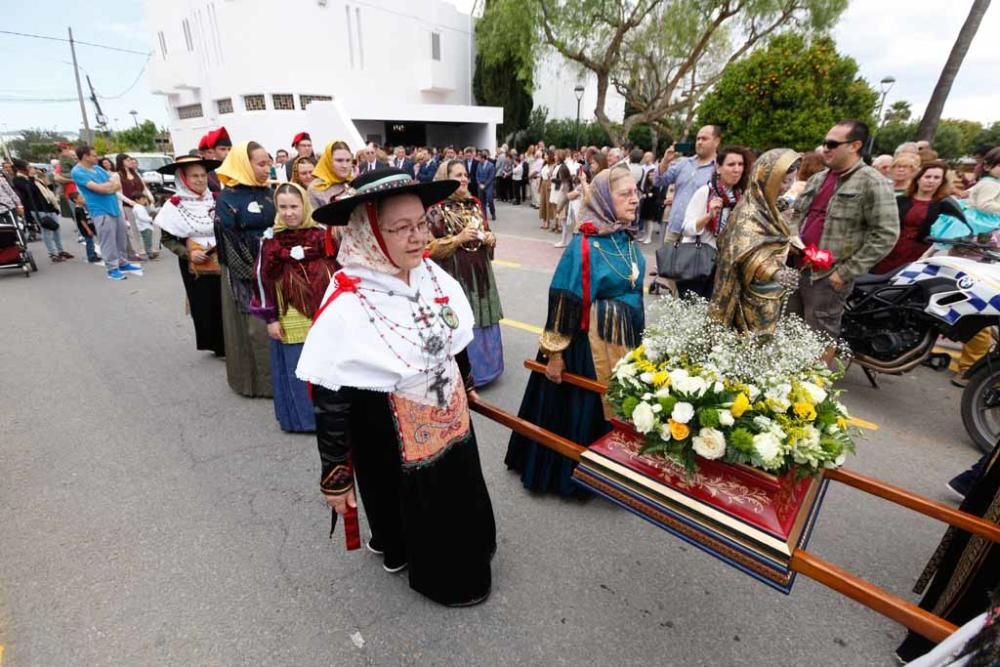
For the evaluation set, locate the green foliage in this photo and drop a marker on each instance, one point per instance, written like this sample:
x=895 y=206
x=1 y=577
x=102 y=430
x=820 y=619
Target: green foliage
x=661 y=55
x=898 y=112
x=559 y=133
x=788 y=94
x=893 y=134
x=36 y=145
x=140 y=139
x=954 y=138
x=492 y=83
x=986 y=139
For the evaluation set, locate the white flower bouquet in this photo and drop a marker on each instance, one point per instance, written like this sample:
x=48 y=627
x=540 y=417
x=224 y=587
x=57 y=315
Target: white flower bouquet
x=695 y=389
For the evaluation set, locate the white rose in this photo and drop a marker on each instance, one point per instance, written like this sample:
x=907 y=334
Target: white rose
x=709 y=444
x=779 y=396
x=647 y=378
x=816 y=393
x=643 y=418
x=683 y=413
x=767 y=446
x=752 y=392
x=625 y=371
x=662 y=392
x=718 y=387
x=677 y=375
x=691 y=385
x=726 y=418
x=664 y=431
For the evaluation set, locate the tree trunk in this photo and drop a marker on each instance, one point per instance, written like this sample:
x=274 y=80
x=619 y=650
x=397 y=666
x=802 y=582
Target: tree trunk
x=932 y=115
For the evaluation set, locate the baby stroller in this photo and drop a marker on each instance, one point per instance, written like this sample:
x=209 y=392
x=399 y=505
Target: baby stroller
x=14 y=253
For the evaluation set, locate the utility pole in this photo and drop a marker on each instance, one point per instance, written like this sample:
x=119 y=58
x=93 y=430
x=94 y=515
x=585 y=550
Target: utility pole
x=79 y=88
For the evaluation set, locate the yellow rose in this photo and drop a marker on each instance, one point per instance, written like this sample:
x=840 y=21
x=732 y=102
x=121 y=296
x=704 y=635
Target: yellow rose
x=661 y=378
x=740 y=405
x=805 y=411
x=678 y=430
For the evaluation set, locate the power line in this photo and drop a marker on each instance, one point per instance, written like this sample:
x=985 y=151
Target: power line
x=63 y=39
x=13 y=96
x=132 y=85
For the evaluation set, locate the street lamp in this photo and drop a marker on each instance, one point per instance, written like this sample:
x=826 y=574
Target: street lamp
x=885 y=85
x=578 y=91
x=135 y=117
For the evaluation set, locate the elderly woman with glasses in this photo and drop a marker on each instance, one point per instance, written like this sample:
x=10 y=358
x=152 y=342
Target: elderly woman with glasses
x=390 y=385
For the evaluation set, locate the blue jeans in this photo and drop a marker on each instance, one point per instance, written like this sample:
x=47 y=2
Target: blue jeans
x=91 y=254
x=52 y=241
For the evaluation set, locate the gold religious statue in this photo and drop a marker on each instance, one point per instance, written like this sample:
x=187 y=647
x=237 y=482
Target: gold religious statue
x=751 y=277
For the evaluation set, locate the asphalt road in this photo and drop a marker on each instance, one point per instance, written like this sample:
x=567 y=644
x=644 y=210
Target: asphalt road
x=149 y=516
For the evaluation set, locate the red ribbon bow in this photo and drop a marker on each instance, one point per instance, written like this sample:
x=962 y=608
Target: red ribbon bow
x=441 y=300
x=818 y=259
x=175 y=200
x=589 y=229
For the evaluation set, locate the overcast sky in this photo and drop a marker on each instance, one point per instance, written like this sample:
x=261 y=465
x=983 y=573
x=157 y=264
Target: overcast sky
x=908 y=39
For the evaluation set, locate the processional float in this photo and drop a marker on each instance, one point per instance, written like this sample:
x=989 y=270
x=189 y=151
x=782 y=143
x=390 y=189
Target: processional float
x=768 y=544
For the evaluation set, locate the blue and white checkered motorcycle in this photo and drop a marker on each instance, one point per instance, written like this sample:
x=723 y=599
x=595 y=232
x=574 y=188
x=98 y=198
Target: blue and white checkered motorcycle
x=893 y=321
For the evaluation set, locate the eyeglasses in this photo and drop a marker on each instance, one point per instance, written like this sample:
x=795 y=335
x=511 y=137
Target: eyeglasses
x=831 y=144
x=406 y=231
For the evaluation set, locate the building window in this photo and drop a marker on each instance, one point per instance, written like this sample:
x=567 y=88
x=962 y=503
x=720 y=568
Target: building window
x=187 y=35
x=350 y=34
x=255 y=102
x=163 y=45
x=436 y=46
x=189 y=111
x=306 y=99
x=224 y=105
x=283 y=102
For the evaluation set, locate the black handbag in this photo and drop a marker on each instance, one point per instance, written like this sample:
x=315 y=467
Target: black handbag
x=48 y=222
x=685 y=261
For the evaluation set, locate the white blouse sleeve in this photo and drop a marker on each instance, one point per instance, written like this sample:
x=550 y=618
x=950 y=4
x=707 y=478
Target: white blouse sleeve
x=696 y=210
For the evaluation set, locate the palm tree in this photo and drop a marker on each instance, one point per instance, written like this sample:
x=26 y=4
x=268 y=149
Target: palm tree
x=928 y=126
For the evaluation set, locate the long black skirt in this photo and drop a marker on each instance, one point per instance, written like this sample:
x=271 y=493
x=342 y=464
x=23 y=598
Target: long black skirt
x=574 y=413
x=437 y=517
x=204 y=295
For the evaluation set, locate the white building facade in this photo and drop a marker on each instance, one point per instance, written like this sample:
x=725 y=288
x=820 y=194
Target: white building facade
x=384 y=71
x=555 y=81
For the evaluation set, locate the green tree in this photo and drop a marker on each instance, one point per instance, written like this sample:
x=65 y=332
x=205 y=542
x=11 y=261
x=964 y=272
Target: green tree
x=788 y=94
x=891 y=135
x=494 y=85
x=968 y=129
x=35 y=145
x=898 y=112
x=985 y=140
x=141 y=138
x=661 y=55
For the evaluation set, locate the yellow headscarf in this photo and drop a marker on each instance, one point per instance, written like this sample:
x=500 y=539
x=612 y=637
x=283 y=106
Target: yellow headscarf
x=236 y=168
x=324 y=173
x=307 y=210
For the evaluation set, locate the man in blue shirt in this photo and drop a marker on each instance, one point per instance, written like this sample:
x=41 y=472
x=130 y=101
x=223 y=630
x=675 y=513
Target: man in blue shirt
x=688 y=174
x=98 y=190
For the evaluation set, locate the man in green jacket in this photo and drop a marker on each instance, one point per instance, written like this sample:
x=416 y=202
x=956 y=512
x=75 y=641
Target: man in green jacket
x=849 y=209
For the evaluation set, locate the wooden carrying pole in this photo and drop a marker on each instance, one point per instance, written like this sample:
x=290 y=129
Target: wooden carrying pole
x=881 y=601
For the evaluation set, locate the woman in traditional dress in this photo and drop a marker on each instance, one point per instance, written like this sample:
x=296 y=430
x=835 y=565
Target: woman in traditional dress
x=965 y=568
x=293 y=271
x=546 y=211
x=595 y=317
x=463 y=245
x=187 y=221
x=390 y=377
x=243 y=211
x=332 y=174
x=751 y=276
x=302 y=171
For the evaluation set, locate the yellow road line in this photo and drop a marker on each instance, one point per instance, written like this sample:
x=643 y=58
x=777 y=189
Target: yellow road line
x=507 y=265
x=530 y=328
x=863 y=423
x=1 y=655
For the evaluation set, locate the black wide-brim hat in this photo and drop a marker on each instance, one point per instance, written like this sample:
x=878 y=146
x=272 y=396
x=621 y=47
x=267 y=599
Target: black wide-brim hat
x=379 y=184
x=187 y=161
